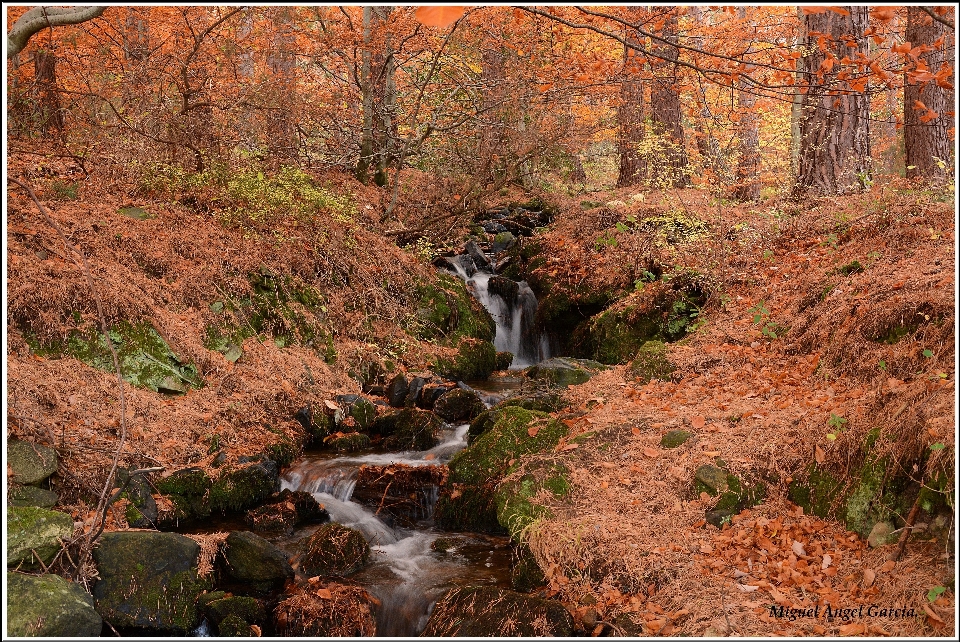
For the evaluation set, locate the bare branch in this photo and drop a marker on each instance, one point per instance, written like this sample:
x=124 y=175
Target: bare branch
x=927 y=10
x=42 y=17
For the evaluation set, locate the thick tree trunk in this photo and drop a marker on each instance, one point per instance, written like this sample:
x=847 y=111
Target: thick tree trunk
x=49 y=112
x=378 y=92
x=493 y=133
x=834 y=125
x=796 y=109
x=281 y=130
x=929 y=147
x=630 y=114
x=669 y=155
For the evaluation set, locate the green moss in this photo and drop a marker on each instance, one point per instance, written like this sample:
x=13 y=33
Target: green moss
x=146 y=361
x=335 y=550
x=651 y=362
x=447 y=311
x=853 y=267
x=817 y=493
x=243 y=487
x=349 y=443
x=467 y=500
x=475 y=359
x=675 y=438
x=515 y=509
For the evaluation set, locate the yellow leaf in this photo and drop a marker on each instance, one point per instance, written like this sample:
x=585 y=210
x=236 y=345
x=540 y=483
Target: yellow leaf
x=439 y=16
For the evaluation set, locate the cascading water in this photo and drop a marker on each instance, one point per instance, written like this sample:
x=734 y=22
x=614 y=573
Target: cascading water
x=513 y=306
x=407 y=575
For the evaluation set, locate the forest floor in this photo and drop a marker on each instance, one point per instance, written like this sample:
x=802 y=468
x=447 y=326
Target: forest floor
x=789 y=341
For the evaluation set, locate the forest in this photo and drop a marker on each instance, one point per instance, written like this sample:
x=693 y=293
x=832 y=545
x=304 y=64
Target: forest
x=511 y=321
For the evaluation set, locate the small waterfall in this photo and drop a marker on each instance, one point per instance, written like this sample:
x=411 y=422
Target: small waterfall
x=407 y=575
x=513 y=306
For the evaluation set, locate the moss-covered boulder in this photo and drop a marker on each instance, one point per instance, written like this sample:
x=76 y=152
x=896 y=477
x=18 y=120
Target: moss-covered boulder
x=327 y=609
x=733 y=493
x=50 y=607
x=253 y=561
x=35 y=532
x=446 y=311
x=148 y=581
x=459 y=405
x=32 y=496
x=248 y=609
x=272 y=518
x=146 y=360
x=467 y=500
x=234 y=626
x=526 y=574
x=350 y=442
x=516 y=510
x=334 y=550
x=488 y=611
x=475 y=360
x=30 y=463
x=564 y=371
x=542 y=400
x=651 y=362
x=244 y=485
x=410 y=429
x=141 y=510
x=504 y=359
x=188 y=491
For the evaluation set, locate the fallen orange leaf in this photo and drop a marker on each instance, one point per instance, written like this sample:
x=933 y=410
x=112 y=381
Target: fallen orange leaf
x=868 y=577
x=325 y=594
x=650 y=452
x=698 y=421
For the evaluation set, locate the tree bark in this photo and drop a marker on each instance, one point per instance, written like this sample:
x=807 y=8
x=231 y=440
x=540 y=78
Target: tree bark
x=748 y=169
x=281 y=130
x=630 y=114
x=378 y=91
x=669 y=156
x=929 y=148
x=40 y=18
x=834 y=124
x=49 y=111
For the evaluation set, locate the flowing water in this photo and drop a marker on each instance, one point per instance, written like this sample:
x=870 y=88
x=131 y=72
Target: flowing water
x=409 y=570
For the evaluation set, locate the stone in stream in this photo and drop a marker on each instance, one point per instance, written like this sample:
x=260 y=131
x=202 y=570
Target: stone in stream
x=397 y=389
x=326 y=609
x=50 y=607
x=35 y=532
x=479 y=258
x=416 y=387
x=565 y=371
x=475 y=360
x=334 y=551
x=244 y=485
x=149 y=581
x=255 y=562
x=430 y=393
x=503 y=241
x=504 y=359
x=188 y=490
x=489 y=611
x=404 y=493
x=409 y=429
x=248 y=610
x=504 y=288
x=459 y=405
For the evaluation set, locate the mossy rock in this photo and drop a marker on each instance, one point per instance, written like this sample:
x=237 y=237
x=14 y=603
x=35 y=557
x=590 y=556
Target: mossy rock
x=30 y=463
x=467 y=500
x=675 y=438
x=234 y=626
x=412 y=429
x=146 y=360
x=516 y=510
x=248 y=609
x=542 y=400
x=254 y=562
x=733 y=494
x=447 y=311
x=33 y=531
x=564 y=371
x=504 y=359
x=526 y=574
x=817 y=492
x=486 y=611
x=350 y=442
x=32 y=496
x=188 y=489
x=458 y=405
x=50 y=607
x=335 y=550
x=475 y=360
x=243 y=487
x=148 y=581
x=343 y=611
x=651 y=362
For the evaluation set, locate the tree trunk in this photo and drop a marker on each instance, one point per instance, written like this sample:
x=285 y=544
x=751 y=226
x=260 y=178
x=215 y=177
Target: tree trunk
x=669 y=154
x=493 y=136
x=630 y=114
x=707 y=145
x=281 y=130
x=748 y=169
x=49 y=112
x=834 y=124
x=796 y=109
x=378 y=92
x=929 y=148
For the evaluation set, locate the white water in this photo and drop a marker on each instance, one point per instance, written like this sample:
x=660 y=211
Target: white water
x=407 y=576
x=515 y=323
